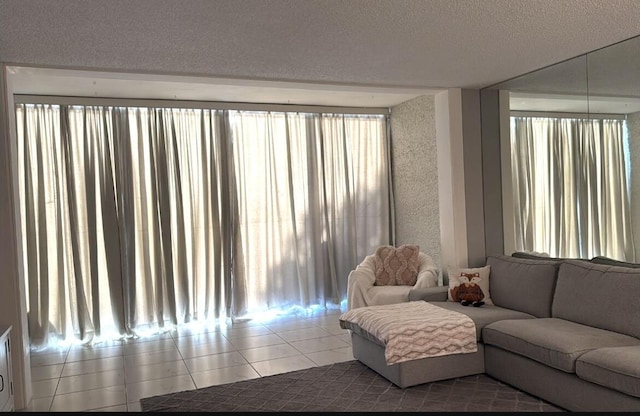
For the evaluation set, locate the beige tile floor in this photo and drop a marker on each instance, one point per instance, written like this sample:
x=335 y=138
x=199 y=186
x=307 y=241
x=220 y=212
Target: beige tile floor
x=116 y=376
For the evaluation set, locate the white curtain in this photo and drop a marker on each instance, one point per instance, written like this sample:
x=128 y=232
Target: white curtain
x=314 y=200
x=137 y=218
x=126 y=218
x=571 y=195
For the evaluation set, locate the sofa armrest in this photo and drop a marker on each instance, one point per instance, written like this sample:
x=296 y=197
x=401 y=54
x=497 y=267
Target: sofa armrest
x=428 y=294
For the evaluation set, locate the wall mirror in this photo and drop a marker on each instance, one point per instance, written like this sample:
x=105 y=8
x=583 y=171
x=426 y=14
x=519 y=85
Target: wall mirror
x=570 y=156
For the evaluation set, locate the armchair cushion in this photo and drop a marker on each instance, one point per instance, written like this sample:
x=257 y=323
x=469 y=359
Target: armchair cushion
x=396 y=266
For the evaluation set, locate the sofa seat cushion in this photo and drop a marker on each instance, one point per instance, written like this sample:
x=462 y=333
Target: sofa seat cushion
x=551 y=341
x=617 y=368
x=483 y=315
x=386 y=295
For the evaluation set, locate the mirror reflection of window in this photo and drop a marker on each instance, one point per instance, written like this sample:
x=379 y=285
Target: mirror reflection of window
x=595 y=87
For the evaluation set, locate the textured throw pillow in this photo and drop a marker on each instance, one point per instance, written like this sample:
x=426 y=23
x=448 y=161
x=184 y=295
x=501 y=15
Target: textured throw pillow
x=471 y=284
x=396 y=265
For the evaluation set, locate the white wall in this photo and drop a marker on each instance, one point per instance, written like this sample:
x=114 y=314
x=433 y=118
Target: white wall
x=451 y=179
x=473 y=177
x=12 y=288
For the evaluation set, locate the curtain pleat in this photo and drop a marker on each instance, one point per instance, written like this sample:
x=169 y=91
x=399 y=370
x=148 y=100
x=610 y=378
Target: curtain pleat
x=166 y=286
x=125 y=197
x=81 y=324
x=109 y=221
x=144 y=258
x=39 y=314
x=235 y=285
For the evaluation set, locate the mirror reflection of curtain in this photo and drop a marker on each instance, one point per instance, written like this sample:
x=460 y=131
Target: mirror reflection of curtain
x=138 y=218
x=570 y=187
x=314 y=199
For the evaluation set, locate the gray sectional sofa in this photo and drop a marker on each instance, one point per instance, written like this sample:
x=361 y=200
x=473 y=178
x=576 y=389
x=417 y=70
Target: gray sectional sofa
x=564 y=330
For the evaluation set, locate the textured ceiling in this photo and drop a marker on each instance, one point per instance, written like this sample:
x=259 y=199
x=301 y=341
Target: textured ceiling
x=383 y=43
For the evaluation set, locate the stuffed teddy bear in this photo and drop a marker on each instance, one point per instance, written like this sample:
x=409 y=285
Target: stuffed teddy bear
x=468 y=292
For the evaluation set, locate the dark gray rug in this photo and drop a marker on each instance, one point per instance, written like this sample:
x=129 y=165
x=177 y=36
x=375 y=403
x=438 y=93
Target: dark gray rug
x=348 y=387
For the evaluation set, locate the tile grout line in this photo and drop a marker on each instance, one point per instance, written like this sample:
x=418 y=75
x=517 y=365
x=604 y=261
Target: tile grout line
x=55 y=391
x=124 y=379
x=183 y=359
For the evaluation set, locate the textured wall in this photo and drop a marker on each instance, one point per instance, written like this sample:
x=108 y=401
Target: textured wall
x=633 y=124
x=442 y=43
x=415 y=175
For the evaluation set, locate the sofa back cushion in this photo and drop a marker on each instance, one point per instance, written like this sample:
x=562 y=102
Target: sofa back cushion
x=523 y=284
x=598 y=295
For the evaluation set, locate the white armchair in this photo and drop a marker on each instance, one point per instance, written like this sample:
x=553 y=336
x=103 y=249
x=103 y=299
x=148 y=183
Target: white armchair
x=362 y=291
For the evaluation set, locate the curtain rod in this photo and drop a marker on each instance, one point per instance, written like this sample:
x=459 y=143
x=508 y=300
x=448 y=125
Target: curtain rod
x=556 y=114
x=207 y=105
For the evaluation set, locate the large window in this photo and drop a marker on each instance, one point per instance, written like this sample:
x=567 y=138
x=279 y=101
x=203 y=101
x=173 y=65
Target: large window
x=570 y=181
x=147 y=217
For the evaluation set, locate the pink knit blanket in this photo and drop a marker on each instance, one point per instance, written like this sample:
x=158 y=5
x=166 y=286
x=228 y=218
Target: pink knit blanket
x=414 y=330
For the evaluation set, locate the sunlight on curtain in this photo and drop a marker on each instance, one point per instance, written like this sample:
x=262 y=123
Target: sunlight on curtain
x=64 y=237
x=183 y=214
x=125 y=219
x=570 y=187
x=314 y=199
x=139 y=219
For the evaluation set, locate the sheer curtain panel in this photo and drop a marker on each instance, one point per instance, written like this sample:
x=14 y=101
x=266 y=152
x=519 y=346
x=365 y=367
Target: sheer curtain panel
x=127 y=217
x=314 y=199
x=144 y=218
